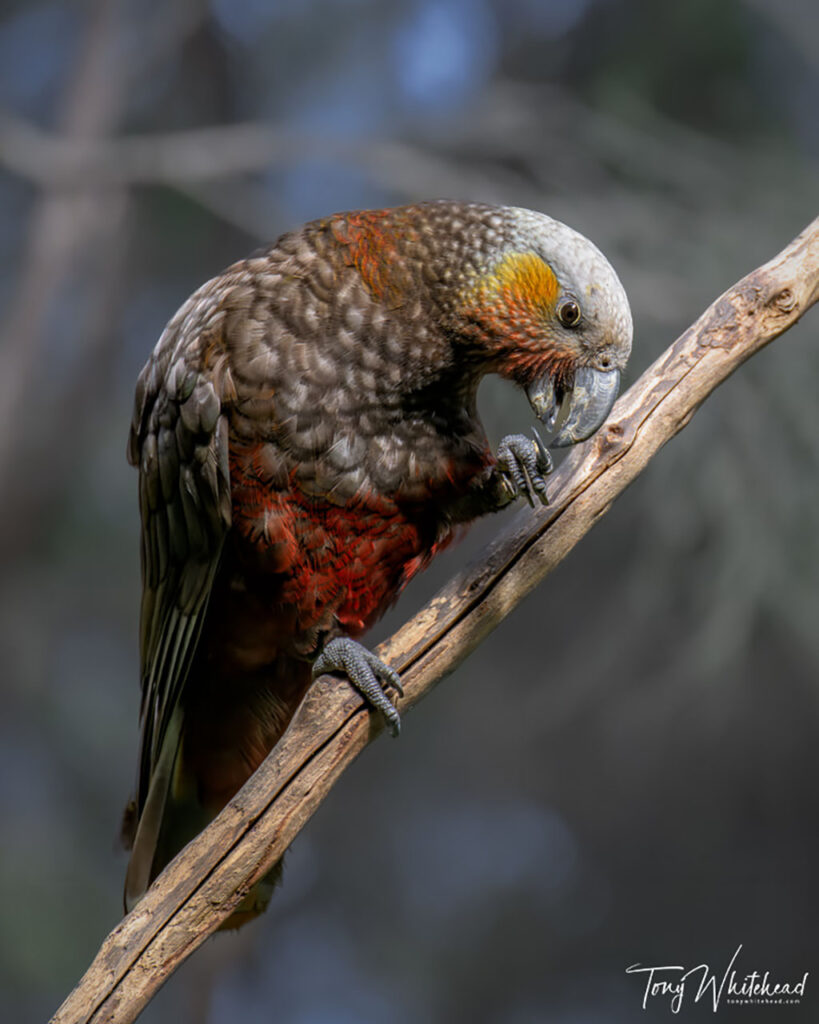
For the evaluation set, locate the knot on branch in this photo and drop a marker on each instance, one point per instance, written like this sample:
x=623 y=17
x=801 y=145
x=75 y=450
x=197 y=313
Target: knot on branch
x=783 y=301
x=611 y=438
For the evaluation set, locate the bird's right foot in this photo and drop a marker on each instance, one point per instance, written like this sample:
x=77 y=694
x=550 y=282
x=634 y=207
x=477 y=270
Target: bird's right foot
x=525 y=463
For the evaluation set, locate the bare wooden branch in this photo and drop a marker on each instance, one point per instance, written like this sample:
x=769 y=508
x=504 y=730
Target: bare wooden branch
x=207 y=880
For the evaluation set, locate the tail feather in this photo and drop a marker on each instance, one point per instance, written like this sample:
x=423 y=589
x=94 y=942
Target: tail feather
x=216 y=738
x=149 y=826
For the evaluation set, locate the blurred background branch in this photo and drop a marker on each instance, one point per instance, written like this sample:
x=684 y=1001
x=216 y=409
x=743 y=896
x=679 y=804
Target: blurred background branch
x=71 y=233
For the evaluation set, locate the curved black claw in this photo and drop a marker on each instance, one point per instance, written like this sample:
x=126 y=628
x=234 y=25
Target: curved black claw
x=525 y=463
x=368 y=674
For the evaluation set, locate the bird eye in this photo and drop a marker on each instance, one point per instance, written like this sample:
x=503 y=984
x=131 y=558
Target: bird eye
x=569 y=313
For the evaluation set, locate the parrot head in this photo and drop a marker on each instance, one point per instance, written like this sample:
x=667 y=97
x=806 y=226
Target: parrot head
x=545 y=308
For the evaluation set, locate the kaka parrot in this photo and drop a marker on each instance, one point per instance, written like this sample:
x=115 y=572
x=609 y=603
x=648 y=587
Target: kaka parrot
x=307 y=438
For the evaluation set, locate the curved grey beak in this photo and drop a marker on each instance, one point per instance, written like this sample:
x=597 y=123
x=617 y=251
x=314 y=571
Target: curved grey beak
x=589 y=403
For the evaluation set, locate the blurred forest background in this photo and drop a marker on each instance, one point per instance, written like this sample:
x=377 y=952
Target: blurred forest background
x=627 y=769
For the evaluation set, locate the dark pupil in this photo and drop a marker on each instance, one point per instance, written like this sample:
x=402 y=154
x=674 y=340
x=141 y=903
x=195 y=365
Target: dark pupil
x=569 y=313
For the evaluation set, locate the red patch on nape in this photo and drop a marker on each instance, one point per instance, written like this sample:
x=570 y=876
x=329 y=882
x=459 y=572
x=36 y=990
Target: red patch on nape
x=371 y=241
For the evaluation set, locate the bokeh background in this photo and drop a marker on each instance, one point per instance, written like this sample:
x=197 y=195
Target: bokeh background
x=626 y=770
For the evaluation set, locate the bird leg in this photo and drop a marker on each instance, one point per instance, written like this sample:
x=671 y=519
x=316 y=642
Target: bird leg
x=367 y=674
x=524 y=464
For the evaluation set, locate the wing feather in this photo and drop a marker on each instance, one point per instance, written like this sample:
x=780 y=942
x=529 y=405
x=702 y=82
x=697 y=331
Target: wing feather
x=179 y=441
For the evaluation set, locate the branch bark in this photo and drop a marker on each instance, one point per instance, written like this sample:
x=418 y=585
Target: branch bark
x=200 y=888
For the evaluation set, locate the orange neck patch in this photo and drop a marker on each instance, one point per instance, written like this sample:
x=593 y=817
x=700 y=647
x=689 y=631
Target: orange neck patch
x=507 y=311
x=520 y=280
x=510 y=305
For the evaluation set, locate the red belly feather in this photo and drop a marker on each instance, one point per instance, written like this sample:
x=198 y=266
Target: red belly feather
x=348 y=562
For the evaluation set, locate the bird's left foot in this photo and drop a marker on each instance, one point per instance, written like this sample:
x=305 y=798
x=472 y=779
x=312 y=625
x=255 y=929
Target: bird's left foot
x=525 y=463
x=368 y=674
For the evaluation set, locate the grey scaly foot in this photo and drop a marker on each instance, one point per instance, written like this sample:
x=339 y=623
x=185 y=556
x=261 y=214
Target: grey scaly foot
x=368 y=674
x=525 y=463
